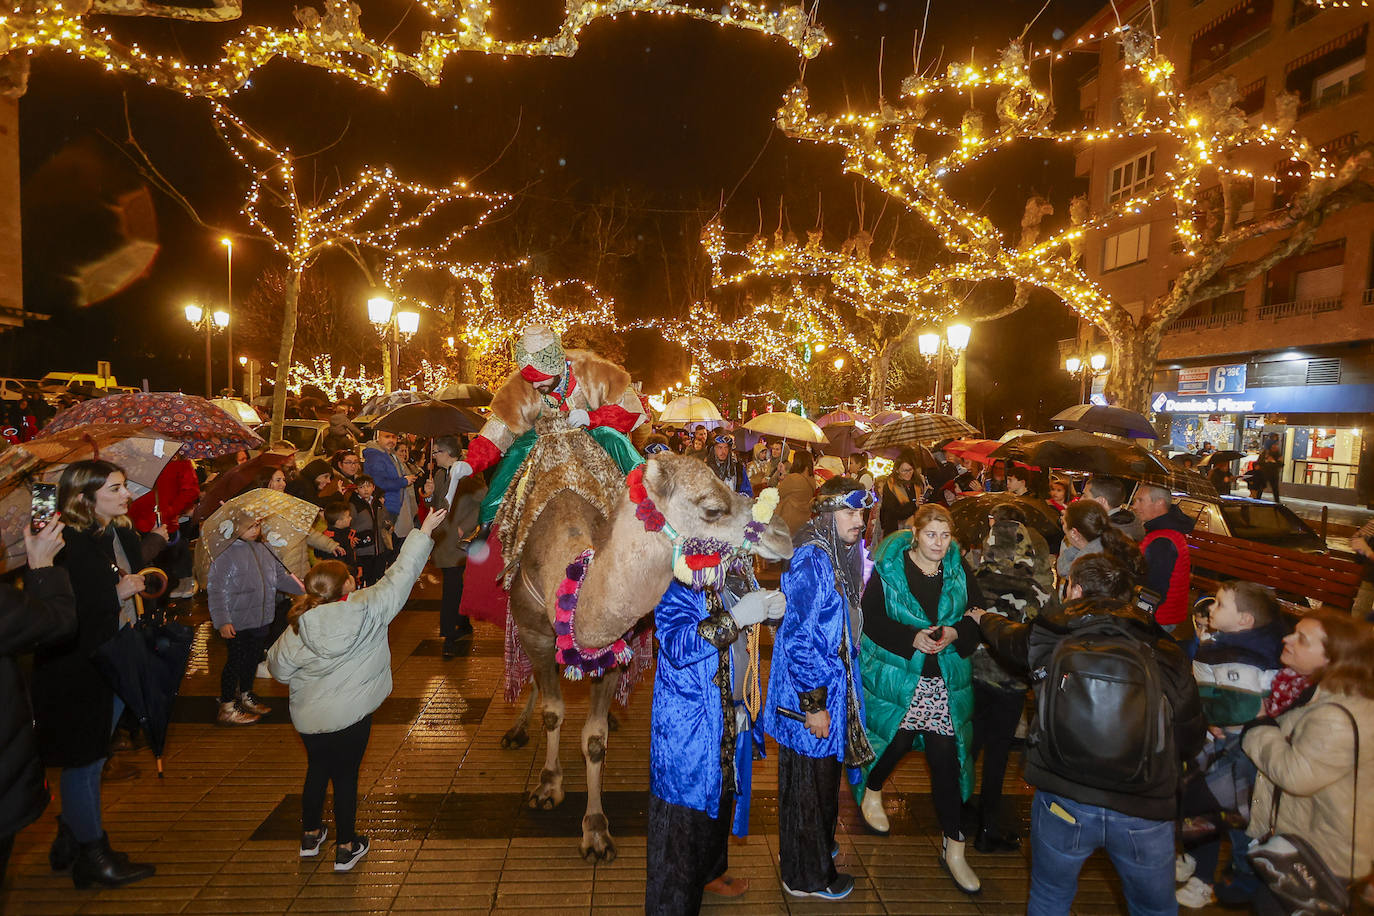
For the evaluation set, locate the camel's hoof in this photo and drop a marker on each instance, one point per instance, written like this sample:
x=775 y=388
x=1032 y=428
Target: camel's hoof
x=597 y=843
x=549 y=795
x=515 y=738
x=612 y=723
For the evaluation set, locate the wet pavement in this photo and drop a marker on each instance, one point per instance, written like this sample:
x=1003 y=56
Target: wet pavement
x=444 y=806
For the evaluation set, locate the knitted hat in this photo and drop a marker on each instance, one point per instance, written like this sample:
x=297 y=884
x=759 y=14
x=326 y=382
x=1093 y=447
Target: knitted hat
x=539 y=354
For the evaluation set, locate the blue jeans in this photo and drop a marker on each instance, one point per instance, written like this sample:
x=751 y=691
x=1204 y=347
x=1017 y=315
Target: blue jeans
x=1141 y=850
x=81 y=793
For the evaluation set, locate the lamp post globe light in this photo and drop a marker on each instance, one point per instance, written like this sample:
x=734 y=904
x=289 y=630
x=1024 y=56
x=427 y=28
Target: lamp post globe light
x=199 y=318
x=1085 y=369
x=934 y=345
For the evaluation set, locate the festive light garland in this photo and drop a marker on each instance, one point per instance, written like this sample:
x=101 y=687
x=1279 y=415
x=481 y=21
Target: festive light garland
x=333 y=40
x=895 y=148
x=339 y=385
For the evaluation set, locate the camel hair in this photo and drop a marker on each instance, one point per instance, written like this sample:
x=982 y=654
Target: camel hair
x=630 y=571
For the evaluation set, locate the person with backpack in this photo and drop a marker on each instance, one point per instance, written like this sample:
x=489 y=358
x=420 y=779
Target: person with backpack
x=1117 y=713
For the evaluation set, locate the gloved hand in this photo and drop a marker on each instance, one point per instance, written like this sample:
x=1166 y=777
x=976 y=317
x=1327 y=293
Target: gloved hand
x=579 y=418
x=756 y=607
x=459 y=470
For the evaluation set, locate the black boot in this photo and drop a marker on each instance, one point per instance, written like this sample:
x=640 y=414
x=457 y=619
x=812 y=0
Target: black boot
x=990 y=839
x=64 y=847
x=98 y=864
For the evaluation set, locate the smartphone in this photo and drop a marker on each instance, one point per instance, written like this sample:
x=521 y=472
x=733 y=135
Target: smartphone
x=43 y=506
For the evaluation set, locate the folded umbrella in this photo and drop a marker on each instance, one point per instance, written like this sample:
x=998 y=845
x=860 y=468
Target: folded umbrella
x=786 y=425
x=1116 y=421
x=430 y=419
x=206 y=430
x=917 y=429
x=237 y=479
x=1079 y=450
x=144 y=664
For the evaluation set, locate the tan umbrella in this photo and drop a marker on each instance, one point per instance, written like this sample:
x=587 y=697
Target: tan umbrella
x=286 y=521
x=785 y=425
x=689 y=408
x=242 y=411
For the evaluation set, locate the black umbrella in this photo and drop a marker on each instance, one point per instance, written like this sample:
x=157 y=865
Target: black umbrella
x=145 y=663
x=463 y=394
x=1225 y=456
x=430 y=419
x=1079 y=450
x=971 y=517
x=1116 y=421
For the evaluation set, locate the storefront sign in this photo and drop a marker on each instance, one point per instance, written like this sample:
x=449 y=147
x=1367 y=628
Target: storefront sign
x=1194 y=381
x=1281 y=399
x=1202 y=405
x=1211 y=380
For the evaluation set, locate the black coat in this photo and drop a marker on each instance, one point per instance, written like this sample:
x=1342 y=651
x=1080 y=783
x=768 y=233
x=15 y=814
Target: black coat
x=43 y=613
x=72 y=702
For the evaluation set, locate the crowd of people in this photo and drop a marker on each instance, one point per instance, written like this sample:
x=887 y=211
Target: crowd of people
x=1164 y=731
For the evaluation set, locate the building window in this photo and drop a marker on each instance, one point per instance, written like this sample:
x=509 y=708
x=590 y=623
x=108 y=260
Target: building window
x=1252 y=97
x=1127 y=247
x=1132 y=176
x=1333 y=72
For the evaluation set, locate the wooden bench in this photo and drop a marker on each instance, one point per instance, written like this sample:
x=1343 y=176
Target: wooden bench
x=1329 y=580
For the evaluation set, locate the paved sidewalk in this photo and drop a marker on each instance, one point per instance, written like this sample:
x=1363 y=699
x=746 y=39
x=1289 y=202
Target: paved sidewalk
x=444 y=806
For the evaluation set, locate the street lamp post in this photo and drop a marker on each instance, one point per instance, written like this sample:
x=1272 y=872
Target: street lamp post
x=1085 y=369
x=199 y=318
x=955 y=341
x=392 y=326
x=228 y=243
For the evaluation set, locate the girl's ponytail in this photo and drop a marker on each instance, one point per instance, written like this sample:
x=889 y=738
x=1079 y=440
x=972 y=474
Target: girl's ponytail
x=323 y=584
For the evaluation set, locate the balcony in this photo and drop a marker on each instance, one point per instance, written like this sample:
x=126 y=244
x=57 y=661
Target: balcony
x=1207 y=322
x=1334 y=94
x=1239 y=52
x=1278 y=310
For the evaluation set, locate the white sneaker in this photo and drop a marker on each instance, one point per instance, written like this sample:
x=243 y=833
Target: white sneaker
x=1184 y=866
x=263 y=673
x=186 y=590
x=1196 y=894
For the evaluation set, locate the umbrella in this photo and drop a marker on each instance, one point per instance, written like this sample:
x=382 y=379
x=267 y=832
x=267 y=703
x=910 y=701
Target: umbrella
x=917 y=428
x=430 y=419
x=1225 y=456
x=286 y=521
x=384 y=404
x=237 y=479
x=239 y=410
x=461 y=394
x=785 y=425
x=145 y=664
x=973 y=449
x=841 y=418
x=17 y=467
x=1078 y=450
x=1190 y=483
x=139 y=451
x=690 y=409
x=206 y=430
x=842 y=439
x=888 y=416
x=971 y=513
x=1013 y=433
x=1117 y=421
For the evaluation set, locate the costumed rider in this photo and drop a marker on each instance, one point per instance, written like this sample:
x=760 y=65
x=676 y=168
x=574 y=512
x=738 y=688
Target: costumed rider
x=586 y=389
x=706 y=698
x=725 y=464
x=815 y=707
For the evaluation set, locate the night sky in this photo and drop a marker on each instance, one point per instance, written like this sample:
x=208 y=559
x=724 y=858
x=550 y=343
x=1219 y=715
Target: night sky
x=665 y=117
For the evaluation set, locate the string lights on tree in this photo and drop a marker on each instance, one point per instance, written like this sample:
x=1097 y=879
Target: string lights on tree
x=913 y=151
x=332 y=38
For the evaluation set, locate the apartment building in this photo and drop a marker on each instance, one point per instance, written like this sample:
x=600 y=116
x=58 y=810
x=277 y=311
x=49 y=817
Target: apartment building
x=1291 y=356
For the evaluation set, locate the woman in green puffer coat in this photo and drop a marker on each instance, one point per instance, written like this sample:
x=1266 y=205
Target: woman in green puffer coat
x=916 y=673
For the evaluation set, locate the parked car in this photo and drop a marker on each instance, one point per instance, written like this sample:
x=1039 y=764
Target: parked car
x=306 y=435
x=56 y=382
x=12 y=389
x=1254 y=520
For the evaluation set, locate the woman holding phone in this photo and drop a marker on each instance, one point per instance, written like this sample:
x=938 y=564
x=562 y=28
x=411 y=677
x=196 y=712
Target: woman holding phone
x=917 y=677
x=75 y=710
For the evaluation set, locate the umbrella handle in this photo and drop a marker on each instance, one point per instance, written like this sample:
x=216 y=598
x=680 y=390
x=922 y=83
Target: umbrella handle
x=157 y=592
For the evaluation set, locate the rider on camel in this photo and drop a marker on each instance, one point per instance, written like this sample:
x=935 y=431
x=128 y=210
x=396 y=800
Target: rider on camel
x=589 y=391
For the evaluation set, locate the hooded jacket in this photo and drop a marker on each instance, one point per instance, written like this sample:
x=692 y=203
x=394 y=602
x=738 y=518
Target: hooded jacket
x=244 y=581
x=1018 y=644
x=338 y=666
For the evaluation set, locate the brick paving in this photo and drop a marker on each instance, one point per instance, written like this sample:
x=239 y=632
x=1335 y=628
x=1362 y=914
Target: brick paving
x=444 y=806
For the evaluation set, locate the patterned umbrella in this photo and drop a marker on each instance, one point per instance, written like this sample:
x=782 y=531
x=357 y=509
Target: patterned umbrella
x=461 y=394
x=842 y=418
x=917 y=428
x=286 y=521
x=206 y=430
x=384 y=404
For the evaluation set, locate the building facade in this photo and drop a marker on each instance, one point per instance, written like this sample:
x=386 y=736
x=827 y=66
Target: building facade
x=1290 y=357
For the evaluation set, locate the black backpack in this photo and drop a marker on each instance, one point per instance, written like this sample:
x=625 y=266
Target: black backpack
x=1102 y=717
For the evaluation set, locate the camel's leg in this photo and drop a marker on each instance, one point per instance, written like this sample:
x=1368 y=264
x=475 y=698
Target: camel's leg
x=597 y=844
x=550 y=791
x=517 y=736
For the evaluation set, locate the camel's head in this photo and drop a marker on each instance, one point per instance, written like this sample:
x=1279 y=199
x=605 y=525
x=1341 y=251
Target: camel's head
x=698 y=505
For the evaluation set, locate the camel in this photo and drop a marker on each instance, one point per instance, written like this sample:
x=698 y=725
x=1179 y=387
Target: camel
x=629 y=572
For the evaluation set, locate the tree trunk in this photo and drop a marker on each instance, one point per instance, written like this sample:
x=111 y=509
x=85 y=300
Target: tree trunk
x=290 y=299
x=1134 y=352
x=877 y=378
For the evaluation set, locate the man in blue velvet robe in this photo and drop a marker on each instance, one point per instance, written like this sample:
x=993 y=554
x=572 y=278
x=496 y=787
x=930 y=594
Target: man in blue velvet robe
x=815 y=693
x=699 y=747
